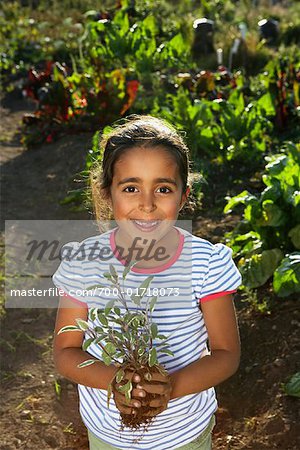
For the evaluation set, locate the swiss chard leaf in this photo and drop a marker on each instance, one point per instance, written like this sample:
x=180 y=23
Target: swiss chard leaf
x=287 y=276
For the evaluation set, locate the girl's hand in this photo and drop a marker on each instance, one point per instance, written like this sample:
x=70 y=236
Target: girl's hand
x=160 y=385
x=137 y=395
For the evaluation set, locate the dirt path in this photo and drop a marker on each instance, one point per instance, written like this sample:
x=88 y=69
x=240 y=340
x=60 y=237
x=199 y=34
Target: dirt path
x=39 y=408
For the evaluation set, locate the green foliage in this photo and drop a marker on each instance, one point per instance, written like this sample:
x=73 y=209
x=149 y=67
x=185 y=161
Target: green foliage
x=26 y=41
x=287 y=276
x=225 y=129
x=292 y=387
x=270 y=226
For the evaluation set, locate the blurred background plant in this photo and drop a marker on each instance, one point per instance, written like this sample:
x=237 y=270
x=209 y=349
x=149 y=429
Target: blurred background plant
x=226 y=73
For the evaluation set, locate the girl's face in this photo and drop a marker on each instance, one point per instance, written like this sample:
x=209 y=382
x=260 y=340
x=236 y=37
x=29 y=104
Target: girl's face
x=146 y=192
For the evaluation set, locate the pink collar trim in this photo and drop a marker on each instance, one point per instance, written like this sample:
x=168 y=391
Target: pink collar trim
x=152 y=269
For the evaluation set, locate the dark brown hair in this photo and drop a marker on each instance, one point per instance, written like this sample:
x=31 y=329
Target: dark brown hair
x=137 y=131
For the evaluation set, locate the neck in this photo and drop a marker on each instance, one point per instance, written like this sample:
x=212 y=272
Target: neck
x=149 y=252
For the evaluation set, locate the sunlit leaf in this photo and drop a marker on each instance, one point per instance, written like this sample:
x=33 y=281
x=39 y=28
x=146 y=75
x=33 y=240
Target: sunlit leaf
x=82 y=324
x=69 y=328
x=286 y=279
x=152 y=357
x=259 y=268
x=87 y=343
x=87 y=363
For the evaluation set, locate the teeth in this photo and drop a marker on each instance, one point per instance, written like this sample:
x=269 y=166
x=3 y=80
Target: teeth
x=146 y=223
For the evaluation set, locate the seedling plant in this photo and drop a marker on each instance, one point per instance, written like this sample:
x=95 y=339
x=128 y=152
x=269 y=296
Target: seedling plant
x=128 y=338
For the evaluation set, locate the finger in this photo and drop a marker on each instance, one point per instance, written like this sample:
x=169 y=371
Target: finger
x=126 y=410
x=159 y=402
x=121 y=400
x=161 y=389
x=132 y=376
x=138 y=393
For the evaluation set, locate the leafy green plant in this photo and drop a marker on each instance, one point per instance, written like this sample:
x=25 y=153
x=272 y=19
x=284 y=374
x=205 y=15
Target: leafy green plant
x=292 y=387
x=267 y=240
x=225 y=129
x=128 y=338
x=260 y=306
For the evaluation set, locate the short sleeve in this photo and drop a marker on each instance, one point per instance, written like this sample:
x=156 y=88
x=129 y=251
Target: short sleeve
x=69 y=276
x=222 y=276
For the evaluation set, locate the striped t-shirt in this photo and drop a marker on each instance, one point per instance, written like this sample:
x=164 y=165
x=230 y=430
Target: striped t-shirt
x=199 y=271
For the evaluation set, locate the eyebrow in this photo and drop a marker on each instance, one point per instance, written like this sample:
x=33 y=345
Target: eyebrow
x=138 y=180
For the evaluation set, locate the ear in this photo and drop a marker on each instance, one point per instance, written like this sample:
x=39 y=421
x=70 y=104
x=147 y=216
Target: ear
x=184 y=197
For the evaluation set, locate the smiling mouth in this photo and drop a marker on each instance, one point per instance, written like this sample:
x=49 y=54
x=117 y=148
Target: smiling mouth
x=146 y=225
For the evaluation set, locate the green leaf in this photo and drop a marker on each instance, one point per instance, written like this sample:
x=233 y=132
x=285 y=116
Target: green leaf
x=106 y=358
x=141 y=351
x=167 y=352
x=144 y=285
x=109 y=306
x=103 y=319
x=87 y=343
x=152 y=303
x=117 y=310
x=152 y=357
x=292 y=387
x=93 y=314
x=161 y=336
x=154 y=330
x=120 y=375
x=126 y=388
x=236 y=97
x=286 y=279
x=96 y=286
x=150 y=24
x=109 y=393
x=113 y=272
x=86 y=363
x=128 y=268
x=108 y=276
x=110 y=348
x=243 y=197
x=259 y=268
x=68 y=328
x=272 y=215
x=82 y=324
x=136 y=299
x=266 y=102
x=294 y=234
x=100 y=337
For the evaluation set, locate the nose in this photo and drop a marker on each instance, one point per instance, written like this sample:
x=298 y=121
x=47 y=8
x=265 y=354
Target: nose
x=147 y=202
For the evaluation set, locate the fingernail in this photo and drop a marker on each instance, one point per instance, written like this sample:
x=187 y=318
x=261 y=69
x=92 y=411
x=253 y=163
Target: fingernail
x=139 y=386
x=136 y=378
x=142 y=394
x=137 y=404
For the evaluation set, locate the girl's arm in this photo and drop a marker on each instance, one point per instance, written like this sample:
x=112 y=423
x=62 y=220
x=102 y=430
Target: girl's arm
x=224 y=342
x=220 y=320
x=68 y=353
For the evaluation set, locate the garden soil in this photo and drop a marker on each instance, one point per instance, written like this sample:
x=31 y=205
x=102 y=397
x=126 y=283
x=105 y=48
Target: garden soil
x=40 y=408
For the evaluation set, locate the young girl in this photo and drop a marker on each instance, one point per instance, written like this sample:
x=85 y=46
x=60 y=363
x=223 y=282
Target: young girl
x=143 y=181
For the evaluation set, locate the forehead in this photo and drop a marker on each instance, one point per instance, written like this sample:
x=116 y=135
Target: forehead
x=154 y=157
